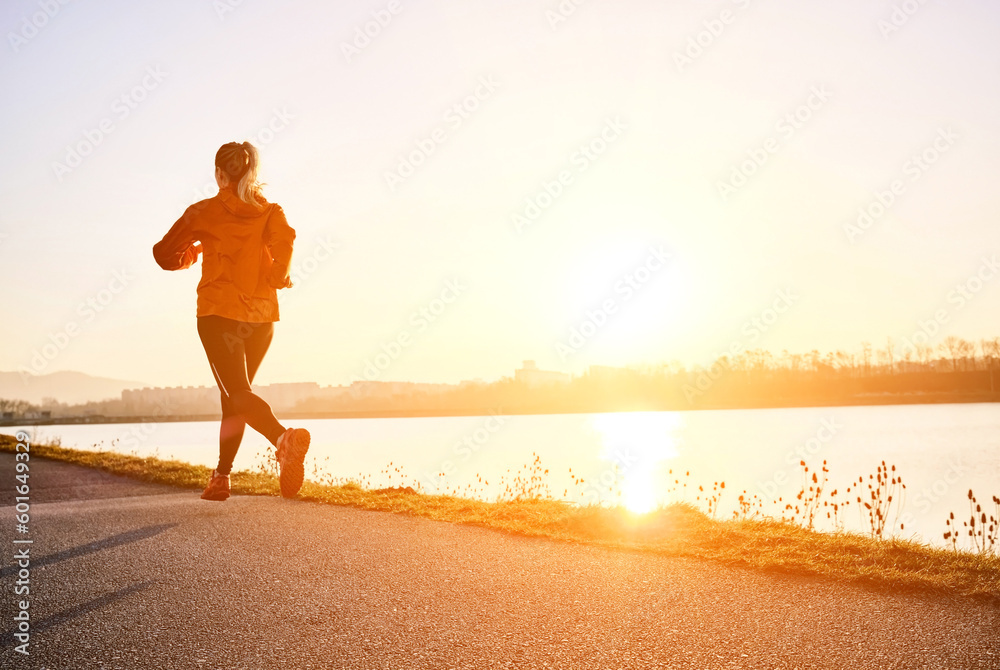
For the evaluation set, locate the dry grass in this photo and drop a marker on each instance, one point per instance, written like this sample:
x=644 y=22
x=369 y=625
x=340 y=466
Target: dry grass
x=675 y=530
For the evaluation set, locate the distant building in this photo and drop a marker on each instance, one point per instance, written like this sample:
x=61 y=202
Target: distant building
x=366 y=389
x=283 y=397
x=171 y=401
x=182 y=400
x=608 y=373
x=530 y=374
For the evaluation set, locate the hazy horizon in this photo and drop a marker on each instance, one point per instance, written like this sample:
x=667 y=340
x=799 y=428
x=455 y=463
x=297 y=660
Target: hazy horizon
x=733 y=148
x=907 y=351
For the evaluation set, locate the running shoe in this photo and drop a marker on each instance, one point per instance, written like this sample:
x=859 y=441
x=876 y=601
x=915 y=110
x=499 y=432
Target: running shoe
x=292 y=447
x=218 y=487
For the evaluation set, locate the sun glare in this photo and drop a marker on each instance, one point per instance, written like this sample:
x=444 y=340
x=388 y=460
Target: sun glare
x=639 y=496
x=637 y=443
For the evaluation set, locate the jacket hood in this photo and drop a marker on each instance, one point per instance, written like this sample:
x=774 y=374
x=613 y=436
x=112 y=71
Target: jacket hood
x=237 y=207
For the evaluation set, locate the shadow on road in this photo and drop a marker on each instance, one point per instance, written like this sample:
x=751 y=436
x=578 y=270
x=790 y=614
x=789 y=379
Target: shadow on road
x=99 y=545
x=7 y=639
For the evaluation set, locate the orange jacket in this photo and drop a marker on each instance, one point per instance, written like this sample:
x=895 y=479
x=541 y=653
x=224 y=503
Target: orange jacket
x=246 y=255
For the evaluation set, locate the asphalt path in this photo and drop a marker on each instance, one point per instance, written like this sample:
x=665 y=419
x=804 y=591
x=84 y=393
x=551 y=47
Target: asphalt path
x=129 y=575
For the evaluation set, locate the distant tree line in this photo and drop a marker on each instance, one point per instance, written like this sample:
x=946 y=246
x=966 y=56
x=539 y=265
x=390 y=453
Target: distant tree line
x=16 y=408
x=955 y=370
x=952 y=370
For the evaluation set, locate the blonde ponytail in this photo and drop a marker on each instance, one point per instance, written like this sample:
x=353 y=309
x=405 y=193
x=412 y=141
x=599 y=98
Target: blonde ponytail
x=241 y=164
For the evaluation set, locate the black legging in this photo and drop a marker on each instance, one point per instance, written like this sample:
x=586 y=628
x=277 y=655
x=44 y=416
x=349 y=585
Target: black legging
x=235 y=350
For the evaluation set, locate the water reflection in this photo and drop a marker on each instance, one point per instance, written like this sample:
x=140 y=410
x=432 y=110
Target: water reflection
x=942 y=451
x=636 y=445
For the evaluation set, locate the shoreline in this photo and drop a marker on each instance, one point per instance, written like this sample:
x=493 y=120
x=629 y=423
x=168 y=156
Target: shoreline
x=857 y=401
x=761 y=544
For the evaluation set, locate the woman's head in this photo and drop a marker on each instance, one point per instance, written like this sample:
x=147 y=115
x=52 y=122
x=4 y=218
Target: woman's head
x=238 y=164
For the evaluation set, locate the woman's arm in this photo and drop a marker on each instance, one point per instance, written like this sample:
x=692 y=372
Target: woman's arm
x=279 y=238
x=177 y=250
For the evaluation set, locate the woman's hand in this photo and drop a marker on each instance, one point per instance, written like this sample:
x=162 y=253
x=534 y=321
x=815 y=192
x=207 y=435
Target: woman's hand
x=188 y=257
x=278 y=278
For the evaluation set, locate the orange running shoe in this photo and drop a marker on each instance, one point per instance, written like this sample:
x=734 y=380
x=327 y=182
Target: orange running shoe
x=218 y=487
x=292 y=447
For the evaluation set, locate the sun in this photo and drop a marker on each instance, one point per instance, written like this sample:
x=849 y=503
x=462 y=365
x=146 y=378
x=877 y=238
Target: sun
x=637 y=444
x=639 y=496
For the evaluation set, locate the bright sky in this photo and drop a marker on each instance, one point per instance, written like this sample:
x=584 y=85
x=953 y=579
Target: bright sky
x=663 y=241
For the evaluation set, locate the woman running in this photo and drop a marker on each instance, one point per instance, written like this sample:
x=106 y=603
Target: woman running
x=246 y=245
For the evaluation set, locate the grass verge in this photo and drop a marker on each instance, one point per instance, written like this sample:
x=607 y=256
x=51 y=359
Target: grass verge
x=676 y=530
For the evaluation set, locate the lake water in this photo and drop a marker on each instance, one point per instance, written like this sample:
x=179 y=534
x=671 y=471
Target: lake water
x=940 y=451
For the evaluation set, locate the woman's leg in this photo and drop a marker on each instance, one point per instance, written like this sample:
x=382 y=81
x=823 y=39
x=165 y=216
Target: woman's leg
x=233 y=424
x=230 y=436
x=226 y=344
